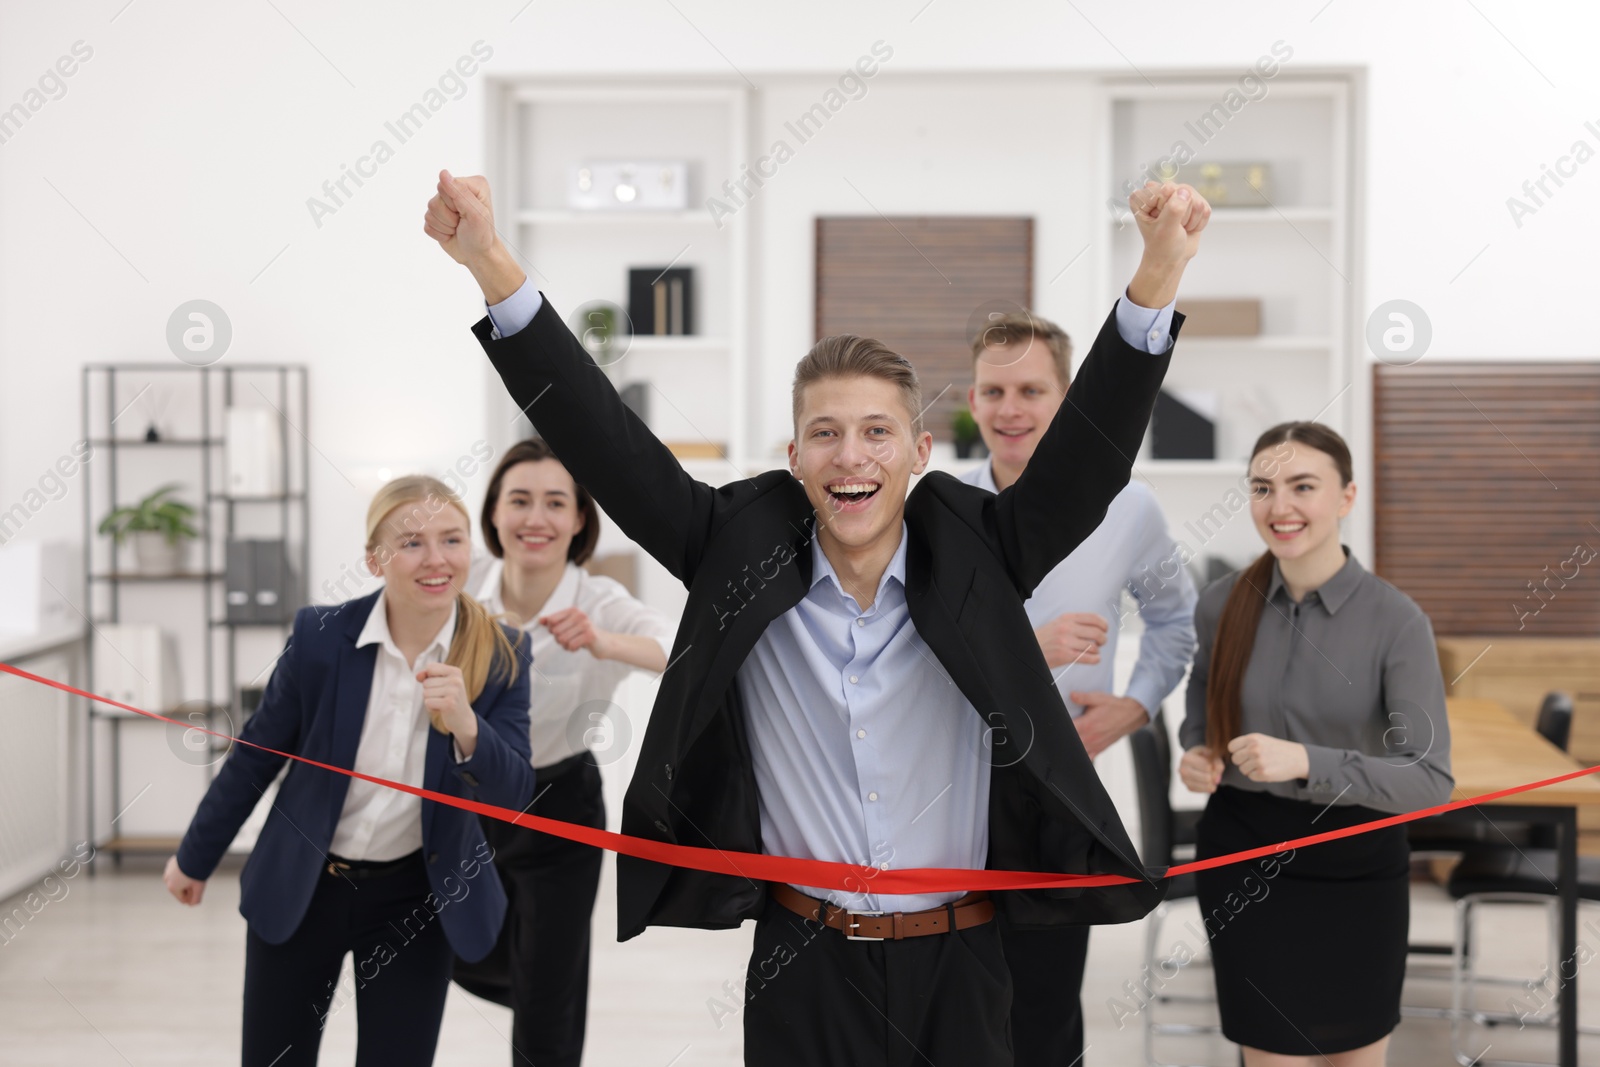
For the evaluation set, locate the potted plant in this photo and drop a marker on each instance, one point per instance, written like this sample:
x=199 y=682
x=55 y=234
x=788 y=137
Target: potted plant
x=964 y=431
x=159 y=528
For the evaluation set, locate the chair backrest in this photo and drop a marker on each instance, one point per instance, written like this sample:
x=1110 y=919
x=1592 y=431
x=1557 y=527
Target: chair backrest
x=1152 y=771
x=1555 y=719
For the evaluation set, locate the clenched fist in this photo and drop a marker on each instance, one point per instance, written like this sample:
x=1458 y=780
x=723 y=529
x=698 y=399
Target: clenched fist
x=444 y=695
x=461 y=218
x=1170 y=219
x=1199 y=770
x=1074 y=637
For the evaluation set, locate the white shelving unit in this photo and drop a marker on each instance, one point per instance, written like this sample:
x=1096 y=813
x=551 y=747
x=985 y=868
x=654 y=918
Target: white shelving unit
x=1294 y=255
x=698 y=384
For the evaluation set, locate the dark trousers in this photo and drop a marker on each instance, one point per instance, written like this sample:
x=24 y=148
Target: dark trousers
x=812 y=998
x=1046 y=1008
x=402 y=972
x=540 y=966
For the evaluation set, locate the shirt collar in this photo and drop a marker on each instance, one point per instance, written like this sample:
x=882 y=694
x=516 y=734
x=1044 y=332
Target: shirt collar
x=1331 y=593
x=376 y=630
x=986 y=477
x=564 y=595
x=821 y=569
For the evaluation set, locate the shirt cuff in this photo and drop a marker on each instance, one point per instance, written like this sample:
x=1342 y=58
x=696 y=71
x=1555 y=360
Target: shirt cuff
x=1322 y=764
x=1147 y=329
x=1147 y=691
x=517 y=310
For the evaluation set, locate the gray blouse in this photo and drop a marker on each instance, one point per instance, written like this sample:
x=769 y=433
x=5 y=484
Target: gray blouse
x=1352 y=673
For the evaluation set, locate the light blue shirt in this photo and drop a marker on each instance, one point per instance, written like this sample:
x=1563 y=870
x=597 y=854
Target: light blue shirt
x=1130 y=549
x=863 y=749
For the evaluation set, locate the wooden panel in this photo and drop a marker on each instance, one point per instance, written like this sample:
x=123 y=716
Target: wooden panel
x=1488 y=493
x=1517 y=672
x=915 y=284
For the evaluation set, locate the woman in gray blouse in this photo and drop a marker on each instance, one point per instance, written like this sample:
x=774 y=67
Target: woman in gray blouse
x=1315 y=703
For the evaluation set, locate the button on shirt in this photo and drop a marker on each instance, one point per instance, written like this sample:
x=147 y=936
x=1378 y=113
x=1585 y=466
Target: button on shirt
x=864 y=750
x=1351 y=672
x=570 y=705
x=378 y=823
x=1130 y=549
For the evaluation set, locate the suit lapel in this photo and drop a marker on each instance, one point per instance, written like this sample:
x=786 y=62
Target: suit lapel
x=439 y=750
x=354 y=686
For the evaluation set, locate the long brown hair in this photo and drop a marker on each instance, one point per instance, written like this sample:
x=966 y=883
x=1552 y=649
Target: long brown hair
x=1241 y=614
x=480 y=647
x=533 y=450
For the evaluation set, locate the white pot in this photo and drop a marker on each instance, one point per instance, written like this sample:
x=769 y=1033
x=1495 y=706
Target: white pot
x=154 y=555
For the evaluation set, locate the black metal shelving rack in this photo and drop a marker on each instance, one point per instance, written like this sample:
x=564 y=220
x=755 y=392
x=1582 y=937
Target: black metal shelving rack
x=217 y=522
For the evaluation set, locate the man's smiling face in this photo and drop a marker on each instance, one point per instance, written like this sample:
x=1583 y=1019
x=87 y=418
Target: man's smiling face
x=855 y=451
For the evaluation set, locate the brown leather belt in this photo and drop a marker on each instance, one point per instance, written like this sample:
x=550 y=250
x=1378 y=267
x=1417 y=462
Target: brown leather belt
x=974 y=909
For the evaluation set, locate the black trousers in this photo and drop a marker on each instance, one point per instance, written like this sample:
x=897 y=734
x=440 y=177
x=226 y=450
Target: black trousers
x=540 y=966
x=402 y=972
x=813 y=998
x=1046 y=1008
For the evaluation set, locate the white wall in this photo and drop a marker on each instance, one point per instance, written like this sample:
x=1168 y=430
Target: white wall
x=178 y=163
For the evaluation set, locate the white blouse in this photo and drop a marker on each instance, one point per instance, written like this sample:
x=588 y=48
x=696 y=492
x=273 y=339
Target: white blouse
x=571 y=708
x=378 y=823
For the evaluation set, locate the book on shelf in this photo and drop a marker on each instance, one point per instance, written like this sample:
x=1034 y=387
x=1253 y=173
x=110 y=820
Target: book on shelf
x=661 y=301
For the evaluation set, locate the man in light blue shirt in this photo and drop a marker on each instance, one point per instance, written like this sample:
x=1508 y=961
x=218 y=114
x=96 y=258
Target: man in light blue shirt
x=1021 y=370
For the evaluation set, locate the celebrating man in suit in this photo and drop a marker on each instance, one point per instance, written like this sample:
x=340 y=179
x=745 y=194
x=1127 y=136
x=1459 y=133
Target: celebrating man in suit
x=855 y=678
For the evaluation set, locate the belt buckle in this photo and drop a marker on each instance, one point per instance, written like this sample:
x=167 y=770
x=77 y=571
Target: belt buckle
x=848 y=925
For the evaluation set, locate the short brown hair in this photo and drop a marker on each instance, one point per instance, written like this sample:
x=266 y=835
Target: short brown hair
x=1023 y=328
x=533 y=450
x=847 y=356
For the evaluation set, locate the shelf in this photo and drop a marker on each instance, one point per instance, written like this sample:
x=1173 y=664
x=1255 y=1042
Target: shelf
x=1228 y=216
x=220 y=623
x=165 y=442
x=646 y=342
x=1260 y=343
x=135 y=576
x=141 y=844
x=607 y=218
x=276 y=498
x=1208 y=467
x=186 y=708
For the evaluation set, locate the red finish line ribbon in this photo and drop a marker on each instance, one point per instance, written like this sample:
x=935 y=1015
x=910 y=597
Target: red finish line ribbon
x=820 y=873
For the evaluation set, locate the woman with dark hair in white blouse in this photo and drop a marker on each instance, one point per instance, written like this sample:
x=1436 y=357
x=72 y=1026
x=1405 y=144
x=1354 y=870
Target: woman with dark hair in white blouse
x=587 y=634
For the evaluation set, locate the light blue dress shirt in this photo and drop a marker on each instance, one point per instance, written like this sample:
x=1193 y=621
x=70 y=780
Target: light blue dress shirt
x=1130 y=549
x=863 y=749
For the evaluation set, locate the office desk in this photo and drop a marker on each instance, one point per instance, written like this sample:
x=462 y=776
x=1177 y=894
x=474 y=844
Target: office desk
x=1491 y=749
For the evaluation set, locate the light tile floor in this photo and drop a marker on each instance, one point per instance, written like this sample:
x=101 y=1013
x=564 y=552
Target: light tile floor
x=115 y=973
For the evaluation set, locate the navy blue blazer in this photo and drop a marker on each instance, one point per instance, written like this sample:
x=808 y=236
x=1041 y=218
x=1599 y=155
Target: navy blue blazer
x=313 y=707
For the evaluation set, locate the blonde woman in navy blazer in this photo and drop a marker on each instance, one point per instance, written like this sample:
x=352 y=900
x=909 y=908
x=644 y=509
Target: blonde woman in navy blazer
x=414 y=683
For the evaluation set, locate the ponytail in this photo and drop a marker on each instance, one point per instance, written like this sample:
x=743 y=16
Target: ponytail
x=1230 y=652
x=480 y=647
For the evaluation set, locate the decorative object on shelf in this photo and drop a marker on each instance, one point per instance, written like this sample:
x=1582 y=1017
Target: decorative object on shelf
x=697 y=449
x=964 y=432
x=1234 y=184
x=661 y=300
x=153 y=402
x=1183 y=425
x=602 y=328
x=1221 y=318
x=136 y=663
x=260 y=582
x=659 y=185
x=159 y=528
x=636 y=395
x=250 y=699
x=253 y=451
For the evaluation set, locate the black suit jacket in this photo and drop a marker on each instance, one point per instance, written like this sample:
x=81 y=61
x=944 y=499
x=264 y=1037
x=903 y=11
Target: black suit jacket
x=743 y=552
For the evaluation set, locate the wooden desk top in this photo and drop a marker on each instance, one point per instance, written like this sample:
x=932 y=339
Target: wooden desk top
x=1491 y=749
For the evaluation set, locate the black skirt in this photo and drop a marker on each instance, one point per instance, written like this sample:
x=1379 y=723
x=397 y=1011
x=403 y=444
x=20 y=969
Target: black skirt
x=1309 y=948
